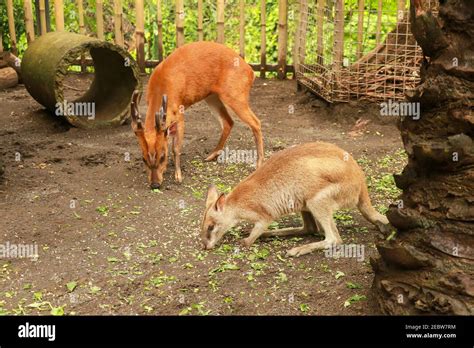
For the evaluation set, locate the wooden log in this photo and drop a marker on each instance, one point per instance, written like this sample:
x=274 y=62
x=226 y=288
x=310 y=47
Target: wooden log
x=282 y=37
x=263 y=38
x=29 y=22
x=118 y=25
x=242 y=28
x=11 y=26
x=59 y=14
x=200 y=20
x=9 y=59
x=360 y=28
x=179 y=21
x=140 y=35
x=220 y=21
x=159 y=18
x=99 y=13
x=8 y=78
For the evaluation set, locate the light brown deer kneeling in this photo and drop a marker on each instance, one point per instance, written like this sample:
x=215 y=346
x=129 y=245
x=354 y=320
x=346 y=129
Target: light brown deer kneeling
x=315 y=179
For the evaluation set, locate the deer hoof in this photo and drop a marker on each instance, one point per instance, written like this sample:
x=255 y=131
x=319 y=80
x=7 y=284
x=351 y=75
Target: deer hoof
x=212 y=157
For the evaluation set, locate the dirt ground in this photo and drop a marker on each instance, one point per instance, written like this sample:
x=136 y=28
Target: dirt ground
x=109 y=245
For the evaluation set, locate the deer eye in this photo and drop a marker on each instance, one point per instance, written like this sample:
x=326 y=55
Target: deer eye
x=162 y=158
x=210 y=228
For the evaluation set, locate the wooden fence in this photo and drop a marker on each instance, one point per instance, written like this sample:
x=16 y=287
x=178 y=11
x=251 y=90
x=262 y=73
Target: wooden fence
x=43 y=26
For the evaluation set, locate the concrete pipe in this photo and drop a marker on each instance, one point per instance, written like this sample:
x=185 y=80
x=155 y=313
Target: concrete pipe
x=45 y=65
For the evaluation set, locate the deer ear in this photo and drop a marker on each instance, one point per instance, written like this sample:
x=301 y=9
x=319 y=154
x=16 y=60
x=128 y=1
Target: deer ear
x=219 y=206
x=135 y=113
x=172 y=129
x=212 y=195
x=160 y=116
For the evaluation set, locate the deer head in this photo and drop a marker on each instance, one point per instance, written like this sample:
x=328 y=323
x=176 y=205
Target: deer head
x=153 y=140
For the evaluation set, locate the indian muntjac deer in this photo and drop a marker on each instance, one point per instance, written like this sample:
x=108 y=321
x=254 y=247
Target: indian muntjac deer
x=315 y=179
x=196 y=71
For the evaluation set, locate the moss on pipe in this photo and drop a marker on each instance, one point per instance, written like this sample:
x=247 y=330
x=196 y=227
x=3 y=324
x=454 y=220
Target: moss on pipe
x=45 y=64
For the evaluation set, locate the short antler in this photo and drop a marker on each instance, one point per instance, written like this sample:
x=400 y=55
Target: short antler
x=135 y=113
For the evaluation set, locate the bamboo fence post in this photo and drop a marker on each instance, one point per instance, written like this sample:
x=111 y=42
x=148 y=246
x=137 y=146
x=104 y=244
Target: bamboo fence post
x=179 y=23
x=299 y=49
x=401 y=5
x=118 y=26
x=339 y=36
x=320 y=42
x=140 y=35
x=282 y=37
x=59 y=14
x=200 y=19
x=379 y=21
x=159 y=17
x=220 y=21
x=360 y=28
x=99 y=5
x=48 y=17
x=242 y=28
x=82 y=30
x=42 y=10
x=29 y=22
x=11 y=27
x=263 y=39
x=38 y=19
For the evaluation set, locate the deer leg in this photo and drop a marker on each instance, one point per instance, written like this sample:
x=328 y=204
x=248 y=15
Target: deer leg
x=177 y=145
x=241 y=107
x=220 y=111
x=310 y=226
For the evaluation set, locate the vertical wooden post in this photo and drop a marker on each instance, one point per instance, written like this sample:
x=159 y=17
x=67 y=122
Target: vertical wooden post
x=401 y=5
x=200 y=19
x=42 y=9
x=38 y=18
x=48 y=17
x=1 y=41
x=299 y=49
x=379 y=21
x=220 y=21
x=82 y=30
x=59 y=14
x=118 y=22
x=360 y=28
x=320 y=21
x=99 y=13
x=29 y=22
x=179 y=23
x=282 y=37
x=11 y=27
x=140 y=35
x=263 y=38
x=159 y=15
x=242 y=28
x=339 y=36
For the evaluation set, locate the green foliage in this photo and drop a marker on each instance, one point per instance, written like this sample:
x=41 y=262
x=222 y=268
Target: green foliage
x=252 y=25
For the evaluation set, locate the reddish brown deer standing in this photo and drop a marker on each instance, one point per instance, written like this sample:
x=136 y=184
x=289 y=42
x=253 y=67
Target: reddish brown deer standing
x=197 y=71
